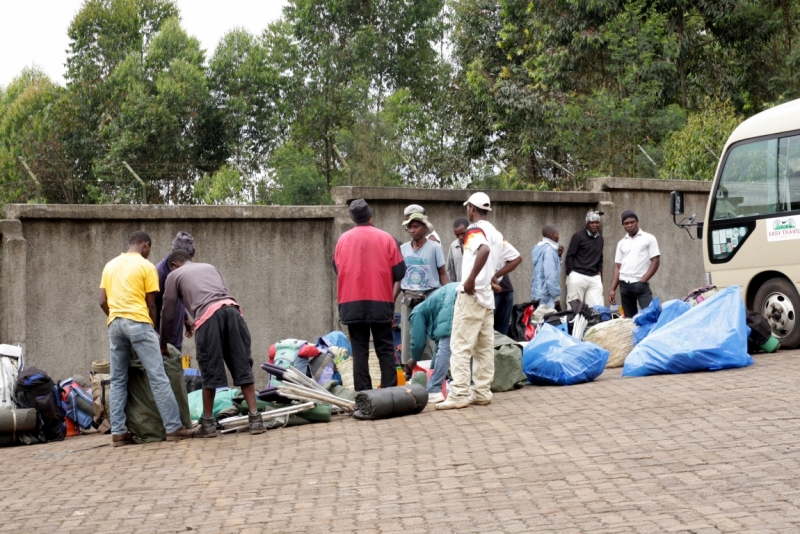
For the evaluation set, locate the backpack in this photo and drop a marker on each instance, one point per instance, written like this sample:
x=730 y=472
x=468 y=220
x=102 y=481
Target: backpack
x=77 y=404
x=522 y=326
x=287 y=354
x=760 y=331
x=35 y=389
x=101 y=393
x=10 y=365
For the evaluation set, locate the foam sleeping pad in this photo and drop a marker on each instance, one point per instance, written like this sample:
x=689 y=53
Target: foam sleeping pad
x=19 y=420
x=390 y=402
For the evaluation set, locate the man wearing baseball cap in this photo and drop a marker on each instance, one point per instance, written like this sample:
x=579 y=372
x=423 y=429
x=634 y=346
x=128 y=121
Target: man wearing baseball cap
x=487 y=257
x=584 y=263
x=637 y=260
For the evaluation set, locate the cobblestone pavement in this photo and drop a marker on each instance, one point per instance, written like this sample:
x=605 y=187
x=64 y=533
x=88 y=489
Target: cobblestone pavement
x=706 y=452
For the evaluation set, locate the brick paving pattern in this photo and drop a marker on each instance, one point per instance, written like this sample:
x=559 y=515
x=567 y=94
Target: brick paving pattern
x=705 y=452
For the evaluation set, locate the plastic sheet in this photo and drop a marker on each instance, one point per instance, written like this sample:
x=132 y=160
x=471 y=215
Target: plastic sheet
x=390 y=402
x=223 y=398
x=645 y=320
x=670 y=310
x=709 y=337
x=555 y=358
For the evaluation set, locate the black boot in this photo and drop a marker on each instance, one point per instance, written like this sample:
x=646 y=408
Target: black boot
x=256 y=423
x=205 y=429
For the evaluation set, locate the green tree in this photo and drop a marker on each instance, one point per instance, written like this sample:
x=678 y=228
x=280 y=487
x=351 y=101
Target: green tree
x=297 y=178
x=692 y=153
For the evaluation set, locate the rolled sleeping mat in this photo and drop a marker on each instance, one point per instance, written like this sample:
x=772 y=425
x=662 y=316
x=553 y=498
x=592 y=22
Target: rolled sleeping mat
x=390 y=402
x=20 y=420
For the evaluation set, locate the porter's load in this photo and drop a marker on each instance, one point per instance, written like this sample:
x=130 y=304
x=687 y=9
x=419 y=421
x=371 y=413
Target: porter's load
x=508 y=373
x=616 y=336
x=709 y=337
x=11 y=363
x=556 y=358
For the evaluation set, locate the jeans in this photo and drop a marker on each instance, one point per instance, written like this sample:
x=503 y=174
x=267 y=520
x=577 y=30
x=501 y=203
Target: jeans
x=382 y=340
x=124 y=335
x=503 y=303
x=440 y=366
x=631 y=293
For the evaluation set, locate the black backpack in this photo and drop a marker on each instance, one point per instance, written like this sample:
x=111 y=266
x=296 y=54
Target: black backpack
x=35 y=389
x=760 y=331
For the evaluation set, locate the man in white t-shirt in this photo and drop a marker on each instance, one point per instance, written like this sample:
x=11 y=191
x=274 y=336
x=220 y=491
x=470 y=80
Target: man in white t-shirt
x=473 y=317
x=637 y=260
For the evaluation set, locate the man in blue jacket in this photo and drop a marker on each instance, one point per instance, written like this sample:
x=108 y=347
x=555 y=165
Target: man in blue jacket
x=433 y=318
x=546 y=256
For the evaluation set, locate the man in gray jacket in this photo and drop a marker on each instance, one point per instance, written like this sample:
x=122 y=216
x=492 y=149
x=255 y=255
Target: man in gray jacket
x=221 y=335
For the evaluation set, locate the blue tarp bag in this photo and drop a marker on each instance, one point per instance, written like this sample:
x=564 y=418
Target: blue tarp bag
x=605 y=313
x=709 y=337
x=645 y=320
x=672 y=309
x=555 y=358
x=334 y=339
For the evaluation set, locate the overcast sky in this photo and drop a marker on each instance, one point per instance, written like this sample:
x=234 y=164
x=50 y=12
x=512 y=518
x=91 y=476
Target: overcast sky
x=34 y=32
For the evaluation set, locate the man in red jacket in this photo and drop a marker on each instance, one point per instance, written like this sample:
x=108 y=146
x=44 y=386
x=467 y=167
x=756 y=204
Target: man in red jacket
x=368 y=262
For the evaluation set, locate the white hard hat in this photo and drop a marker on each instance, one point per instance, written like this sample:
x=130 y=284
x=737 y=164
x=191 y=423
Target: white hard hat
x=480 y=200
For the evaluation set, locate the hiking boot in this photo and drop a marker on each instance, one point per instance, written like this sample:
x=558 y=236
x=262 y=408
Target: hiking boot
x=256 y=423
x=205 y=429
x=178 y=435
x=452 y=404
x=435 y=398
x=480 y=402
x=118 y=440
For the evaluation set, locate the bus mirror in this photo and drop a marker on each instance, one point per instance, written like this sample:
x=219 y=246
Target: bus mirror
x=699 y=230
x=676 y=203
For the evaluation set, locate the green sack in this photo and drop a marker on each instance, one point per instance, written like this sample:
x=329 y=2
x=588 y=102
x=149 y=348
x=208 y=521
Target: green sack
x=508 y=373
x=222 y=399
x=143 y=420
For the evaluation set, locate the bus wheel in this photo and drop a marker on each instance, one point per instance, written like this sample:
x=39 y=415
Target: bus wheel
x=778 y=301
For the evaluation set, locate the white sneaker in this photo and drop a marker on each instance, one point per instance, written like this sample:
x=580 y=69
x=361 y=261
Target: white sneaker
x=435 y=398
x=453 y=404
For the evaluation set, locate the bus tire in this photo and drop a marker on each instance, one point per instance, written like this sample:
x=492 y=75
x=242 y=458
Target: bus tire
x=778 y=301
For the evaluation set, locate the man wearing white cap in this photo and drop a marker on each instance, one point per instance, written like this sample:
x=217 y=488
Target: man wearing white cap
x=473 y=318
x=584 y=263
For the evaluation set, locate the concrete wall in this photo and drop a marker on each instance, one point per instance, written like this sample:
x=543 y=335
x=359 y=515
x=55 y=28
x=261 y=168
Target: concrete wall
x=276 y=260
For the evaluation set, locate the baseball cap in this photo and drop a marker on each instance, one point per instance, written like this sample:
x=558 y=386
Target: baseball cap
x=480 y=200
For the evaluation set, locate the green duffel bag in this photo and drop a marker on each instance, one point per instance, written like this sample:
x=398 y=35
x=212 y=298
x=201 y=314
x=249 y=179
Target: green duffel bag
x=143 y=420
x=508 y=373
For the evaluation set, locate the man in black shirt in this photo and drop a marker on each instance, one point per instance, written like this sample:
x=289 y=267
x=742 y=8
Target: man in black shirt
x=584 y=263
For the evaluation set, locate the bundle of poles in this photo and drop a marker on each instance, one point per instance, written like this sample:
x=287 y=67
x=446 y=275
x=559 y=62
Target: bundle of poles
x=297 y=386
x=236 y=424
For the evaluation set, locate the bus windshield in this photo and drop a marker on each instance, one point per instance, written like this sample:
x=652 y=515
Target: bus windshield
x=759 y=178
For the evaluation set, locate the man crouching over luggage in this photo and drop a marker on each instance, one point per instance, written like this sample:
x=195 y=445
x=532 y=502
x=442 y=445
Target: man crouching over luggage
x=221 y=335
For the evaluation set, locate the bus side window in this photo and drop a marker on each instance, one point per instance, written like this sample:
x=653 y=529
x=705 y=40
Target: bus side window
x=789 y=170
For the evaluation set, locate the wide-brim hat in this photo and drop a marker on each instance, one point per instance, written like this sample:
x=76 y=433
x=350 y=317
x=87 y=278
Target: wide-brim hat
x=418 y=217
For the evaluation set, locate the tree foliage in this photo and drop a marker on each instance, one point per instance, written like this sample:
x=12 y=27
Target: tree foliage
x=509 y=94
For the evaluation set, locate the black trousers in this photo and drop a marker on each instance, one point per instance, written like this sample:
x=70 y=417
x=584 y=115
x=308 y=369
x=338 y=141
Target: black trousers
x=383 y=341
x=630 y=294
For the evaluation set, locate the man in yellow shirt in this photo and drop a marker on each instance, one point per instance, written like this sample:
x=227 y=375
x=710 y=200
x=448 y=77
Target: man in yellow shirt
x=128 y=296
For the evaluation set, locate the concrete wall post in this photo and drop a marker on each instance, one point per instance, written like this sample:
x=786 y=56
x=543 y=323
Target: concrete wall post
x=12 y=283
